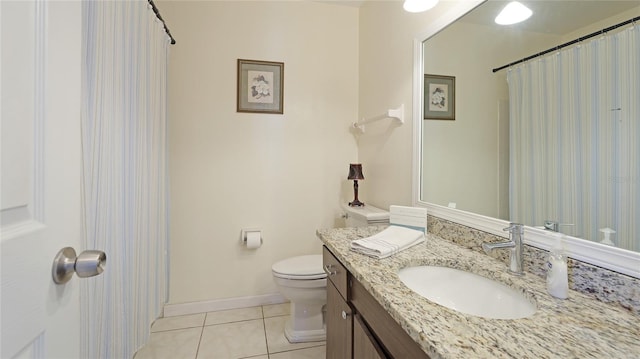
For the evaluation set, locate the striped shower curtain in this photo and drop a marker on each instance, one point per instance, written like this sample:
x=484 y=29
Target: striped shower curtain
x=125 y=185
x=575 y=139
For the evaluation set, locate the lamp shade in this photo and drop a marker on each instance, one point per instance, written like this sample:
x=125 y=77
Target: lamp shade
x=355 y=172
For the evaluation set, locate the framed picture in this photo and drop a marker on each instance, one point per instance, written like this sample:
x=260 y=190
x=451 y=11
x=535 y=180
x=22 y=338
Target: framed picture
x=260 y=86
x=439 y=97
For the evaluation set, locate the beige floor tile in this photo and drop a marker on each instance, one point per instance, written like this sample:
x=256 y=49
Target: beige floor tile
x=182 y=343
x=276 y=310
x=233 y=340
x=309 y=353
x=179 y=322
x=233 y=315
x=277 y=342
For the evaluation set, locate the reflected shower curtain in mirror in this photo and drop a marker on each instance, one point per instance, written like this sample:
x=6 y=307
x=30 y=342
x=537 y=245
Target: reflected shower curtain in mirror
x=125 y=185
x=575 y=139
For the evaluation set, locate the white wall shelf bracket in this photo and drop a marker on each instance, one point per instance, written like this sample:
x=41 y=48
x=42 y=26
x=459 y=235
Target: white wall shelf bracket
x=395 y=113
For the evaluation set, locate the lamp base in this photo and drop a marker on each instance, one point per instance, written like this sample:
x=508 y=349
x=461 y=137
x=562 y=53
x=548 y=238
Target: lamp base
x=356 y=202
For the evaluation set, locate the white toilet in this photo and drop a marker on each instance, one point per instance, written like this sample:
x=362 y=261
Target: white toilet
x=303 y=281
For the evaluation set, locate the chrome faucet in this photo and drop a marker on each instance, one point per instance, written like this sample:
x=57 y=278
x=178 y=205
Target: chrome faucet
x=551 y=225
x=554 y=225
x=515 y=245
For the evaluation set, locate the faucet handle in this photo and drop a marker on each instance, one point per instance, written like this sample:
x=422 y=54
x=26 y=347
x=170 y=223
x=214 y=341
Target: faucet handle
x=513 y=227
x=555 y=225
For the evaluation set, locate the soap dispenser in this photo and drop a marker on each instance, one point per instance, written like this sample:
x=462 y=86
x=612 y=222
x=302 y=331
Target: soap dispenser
x=557 y=274
x=607 y=236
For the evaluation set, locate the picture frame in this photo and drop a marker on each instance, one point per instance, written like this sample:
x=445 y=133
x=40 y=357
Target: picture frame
x=439 y=97
x=260 y=86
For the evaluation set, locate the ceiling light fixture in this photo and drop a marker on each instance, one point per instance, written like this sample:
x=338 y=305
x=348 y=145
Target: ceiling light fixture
x=419 y=5
x=513 y=13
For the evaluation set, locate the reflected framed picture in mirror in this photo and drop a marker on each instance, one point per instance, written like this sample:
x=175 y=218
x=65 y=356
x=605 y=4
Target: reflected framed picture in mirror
x=439 y=97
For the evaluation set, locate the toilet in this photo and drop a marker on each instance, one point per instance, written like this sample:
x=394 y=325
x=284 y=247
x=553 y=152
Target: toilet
x=303 y=282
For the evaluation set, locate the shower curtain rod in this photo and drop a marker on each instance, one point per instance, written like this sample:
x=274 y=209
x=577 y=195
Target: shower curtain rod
x=166 y=29
x=593 y=34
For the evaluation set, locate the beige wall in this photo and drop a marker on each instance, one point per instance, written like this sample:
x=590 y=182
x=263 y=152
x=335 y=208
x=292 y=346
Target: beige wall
x=386 y=81
x=284 y=174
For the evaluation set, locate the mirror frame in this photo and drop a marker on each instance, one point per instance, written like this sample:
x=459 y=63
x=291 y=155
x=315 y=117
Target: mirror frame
x=609 y=257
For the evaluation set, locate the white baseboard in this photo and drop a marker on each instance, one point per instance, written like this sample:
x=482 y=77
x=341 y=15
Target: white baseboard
x=172 y=310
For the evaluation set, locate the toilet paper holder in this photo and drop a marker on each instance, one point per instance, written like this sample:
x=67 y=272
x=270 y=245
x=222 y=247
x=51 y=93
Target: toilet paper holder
x=244 y=236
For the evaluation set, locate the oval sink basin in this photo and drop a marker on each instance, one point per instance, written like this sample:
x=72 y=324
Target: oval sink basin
x=467 y=292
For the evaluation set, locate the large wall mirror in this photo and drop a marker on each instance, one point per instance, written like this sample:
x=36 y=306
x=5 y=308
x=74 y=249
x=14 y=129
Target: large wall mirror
x=478 y=166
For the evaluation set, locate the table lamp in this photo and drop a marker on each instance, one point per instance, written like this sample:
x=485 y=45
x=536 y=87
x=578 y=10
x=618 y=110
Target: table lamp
x=355 y=174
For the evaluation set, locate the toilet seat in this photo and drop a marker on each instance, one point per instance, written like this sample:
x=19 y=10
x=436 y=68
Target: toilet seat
x=307 y=267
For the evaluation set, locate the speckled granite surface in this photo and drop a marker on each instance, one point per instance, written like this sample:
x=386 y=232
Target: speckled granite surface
x=596 y=282
x=578 y=327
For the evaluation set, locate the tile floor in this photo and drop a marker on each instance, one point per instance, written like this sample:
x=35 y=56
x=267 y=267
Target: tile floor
x=256 y=333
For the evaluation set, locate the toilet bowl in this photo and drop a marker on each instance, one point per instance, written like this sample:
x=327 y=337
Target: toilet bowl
x=302 y=280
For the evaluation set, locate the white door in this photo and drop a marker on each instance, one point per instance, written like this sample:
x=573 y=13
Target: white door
x=40 y=174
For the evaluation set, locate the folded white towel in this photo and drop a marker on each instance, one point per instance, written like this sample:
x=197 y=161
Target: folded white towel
x=388 y=242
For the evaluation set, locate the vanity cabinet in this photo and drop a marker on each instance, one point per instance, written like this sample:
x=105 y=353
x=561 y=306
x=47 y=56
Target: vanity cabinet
x=339 y=316
x=357 y=325
x=365 y=345
x=339 y=323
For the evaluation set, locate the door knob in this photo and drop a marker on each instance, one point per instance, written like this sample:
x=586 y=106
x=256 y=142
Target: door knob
x=88 y=264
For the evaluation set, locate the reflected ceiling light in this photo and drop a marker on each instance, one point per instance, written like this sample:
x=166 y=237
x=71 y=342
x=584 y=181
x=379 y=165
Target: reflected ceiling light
x=419 y=5
x=513 y=13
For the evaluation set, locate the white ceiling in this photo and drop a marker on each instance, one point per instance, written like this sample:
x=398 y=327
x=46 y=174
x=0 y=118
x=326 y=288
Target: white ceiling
x=355 y=3
x=557 y=17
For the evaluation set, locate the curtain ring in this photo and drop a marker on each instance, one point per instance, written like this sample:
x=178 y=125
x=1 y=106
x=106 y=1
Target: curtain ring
x=602 y=34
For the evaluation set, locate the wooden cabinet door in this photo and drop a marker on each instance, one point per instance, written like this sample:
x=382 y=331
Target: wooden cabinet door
x=339 y=322
x=397 y=343
x=365 y=346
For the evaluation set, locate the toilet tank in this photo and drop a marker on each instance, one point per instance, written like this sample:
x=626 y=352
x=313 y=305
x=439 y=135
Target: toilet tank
x=365 y=216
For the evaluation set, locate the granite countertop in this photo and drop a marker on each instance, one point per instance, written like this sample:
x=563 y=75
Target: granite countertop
x=577 y=327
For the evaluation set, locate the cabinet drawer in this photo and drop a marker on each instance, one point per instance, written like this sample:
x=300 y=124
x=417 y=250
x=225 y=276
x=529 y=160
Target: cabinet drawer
x=336 y=272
